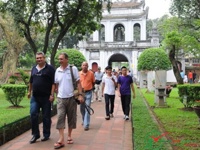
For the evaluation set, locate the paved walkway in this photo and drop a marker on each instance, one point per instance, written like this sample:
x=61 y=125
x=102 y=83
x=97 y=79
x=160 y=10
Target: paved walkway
x=114 y=134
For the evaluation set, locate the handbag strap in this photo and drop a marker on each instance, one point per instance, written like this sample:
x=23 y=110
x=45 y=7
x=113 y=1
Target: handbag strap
x=87 y=107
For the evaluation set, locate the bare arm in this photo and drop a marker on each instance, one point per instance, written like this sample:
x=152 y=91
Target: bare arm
x=80 y=91
x=29 y=90
x=51 y=98
x=103 y=85
x=133 y=90
x=118 y=90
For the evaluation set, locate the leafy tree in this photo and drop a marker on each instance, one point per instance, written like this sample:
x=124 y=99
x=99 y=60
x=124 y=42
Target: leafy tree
x=179 y=40
x=153 y=59
x=12 y=45
x=186 y=9
x=75 y=57
x=56 y=17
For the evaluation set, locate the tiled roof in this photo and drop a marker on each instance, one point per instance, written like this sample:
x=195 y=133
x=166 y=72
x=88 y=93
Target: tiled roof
x=121 y=4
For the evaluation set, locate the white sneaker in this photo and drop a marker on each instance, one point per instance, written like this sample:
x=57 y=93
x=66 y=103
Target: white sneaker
x=126 y=118
x=92 y=101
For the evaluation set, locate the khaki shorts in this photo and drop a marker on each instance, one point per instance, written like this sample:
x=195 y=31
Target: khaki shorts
x=66 y=107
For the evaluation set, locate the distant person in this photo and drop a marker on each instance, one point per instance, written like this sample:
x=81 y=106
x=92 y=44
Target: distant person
x=109 y=83
x=87 y=82
x=98 y=78
x=41 y=92
x=185 y=80
x=130 y=73
x=190 y=77
x=194 y=75
x=168 y=90
x=182 y=74
x=125 y=85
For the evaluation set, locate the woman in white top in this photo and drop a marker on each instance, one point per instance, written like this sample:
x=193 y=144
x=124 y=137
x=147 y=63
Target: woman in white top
x=109 y=82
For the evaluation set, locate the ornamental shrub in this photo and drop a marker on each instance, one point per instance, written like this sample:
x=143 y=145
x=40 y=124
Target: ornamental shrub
x=25 y=76
x=188 y=94
x=153 y=59
x=14 y=93
x=75 y=57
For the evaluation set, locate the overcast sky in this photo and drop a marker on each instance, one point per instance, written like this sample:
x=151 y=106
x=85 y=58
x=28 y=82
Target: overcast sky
x=157 y=8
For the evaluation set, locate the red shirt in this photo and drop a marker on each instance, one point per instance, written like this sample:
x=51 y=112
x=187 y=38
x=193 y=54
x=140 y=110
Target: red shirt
x=190 y=76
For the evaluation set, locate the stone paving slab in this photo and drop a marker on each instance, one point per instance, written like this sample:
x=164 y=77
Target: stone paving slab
x=113 y=134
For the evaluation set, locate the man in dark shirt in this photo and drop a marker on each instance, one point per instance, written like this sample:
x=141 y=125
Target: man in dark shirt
x=41 y=92
x=125 y=85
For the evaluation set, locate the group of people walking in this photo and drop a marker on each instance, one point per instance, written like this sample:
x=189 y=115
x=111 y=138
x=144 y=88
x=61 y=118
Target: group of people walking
x=191 y=77
x=45 y=82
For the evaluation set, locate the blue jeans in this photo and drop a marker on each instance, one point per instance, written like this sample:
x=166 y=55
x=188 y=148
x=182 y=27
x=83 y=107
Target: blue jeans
x=45 y=105
x=109 y=102
x=84 y=113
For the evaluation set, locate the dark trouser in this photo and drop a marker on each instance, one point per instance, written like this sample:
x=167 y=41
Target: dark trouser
x=45 y=105
x=125 y=100
x=109 y=99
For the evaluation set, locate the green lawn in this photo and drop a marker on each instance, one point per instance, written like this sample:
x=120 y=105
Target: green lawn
x=9 y=114
x=144 y=127
x=181 y=126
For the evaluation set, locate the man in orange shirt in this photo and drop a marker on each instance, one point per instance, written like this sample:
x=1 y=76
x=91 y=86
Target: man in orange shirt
x=87 y=82
x=190 y=77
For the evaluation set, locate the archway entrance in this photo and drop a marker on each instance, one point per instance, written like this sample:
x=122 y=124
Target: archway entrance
x=117 y=61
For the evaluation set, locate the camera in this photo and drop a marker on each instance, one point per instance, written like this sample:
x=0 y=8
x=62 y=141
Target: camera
x=77 y=101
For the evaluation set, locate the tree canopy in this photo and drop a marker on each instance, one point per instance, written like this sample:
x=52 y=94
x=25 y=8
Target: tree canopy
x=153 y=59
x=75 y=57
x=56 y=17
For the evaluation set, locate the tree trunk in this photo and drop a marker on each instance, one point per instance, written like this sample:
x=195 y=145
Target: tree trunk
x=175 y=66
x=9 y=64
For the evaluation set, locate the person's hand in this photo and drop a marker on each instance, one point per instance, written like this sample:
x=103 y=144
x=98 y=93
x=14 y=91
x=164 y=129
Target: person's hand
x=119 y=94
x=51 y=98
x=80 y=98
x=113 y=79
x=102 y=95
x=29 y=94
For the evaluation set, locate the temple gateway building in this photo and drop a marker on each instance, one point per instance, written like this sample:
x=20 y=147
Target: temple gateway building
x=122 y=37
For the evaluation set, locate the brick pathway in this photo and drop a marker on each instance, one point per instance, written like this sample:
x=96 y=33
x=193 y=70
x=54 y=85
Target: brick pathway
x=114 y=134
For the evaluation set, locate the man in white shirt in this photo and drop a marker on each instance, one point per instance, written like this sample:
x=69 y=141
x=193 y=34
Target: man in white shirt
x=109 y=83
x=66 y=104
x=98 y=78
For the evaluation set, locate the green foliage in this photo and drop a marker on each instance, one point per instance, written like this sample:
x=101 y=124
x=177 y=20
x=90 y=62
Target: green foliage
x=189 y=93
x=25 y=77
x=12 y=79
x=181 y=34
x=153 y=59
x=14 y=93
x=180 y=125
x=75 y=57
x=144 y=126
x=26 y=58
x=54 y=20
x=186 y=9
